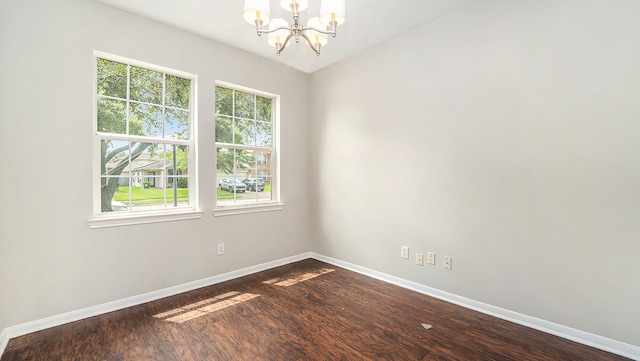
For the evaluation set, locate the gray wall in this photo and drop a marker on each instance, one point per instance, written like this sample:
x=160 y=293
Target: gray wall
x=515 y=126
x=51 y=261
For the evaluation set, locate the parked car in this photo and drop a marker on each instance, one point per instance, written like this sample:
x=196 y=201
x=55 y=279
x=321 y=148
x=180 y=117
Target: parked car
x=229 y=184
x=254 y=184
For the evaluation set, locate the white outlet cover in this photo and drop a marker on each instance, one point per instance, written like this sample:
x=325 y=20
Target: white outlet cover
x=446 y=262
x=431 y=258
x=404 y=252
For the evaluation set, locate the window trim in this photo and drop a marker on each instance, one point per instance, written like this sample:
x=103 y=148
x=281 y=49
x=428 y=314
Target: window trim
x=104 y=221
x=276 y=200
x=247 y=208
x=110 y=219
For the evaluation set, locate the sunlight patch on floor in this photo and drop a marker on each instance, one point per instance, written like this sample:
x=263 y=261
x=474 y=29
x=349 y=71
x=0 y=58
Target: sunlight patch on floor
x=297 y=279
x=205 y=307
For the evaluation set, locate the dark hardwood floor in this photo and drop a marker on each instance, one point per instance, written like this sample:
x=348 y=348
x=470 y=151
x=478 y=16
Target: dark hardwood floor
x=307 y=310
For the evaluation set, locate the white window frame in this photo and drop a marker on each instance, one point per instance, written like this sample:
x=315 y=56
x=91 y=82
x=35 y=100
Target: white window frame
x=110 y=219
x=276 y=202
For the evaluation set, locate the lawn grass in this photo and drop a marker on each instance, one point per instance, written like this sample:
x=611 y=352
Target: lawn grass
x=224 y=194
x=148 y=195
x=141 y=196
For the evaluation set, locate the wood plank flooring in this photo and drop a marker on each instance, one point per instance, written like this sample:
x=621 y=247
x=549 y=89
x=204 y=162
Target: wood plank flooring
x=307 y=310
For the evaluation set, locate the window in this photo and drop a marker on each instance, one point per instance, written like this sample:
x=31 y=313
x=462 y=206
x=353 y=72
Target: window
x=246 y=151
x=144 y=139
x=262 y=159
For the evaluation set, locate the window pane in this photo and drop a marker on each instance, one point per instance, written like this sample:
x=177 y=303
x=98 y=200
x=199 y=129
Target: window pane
x=264 y=108
x=224 y=161
x=245 y=132
x=178 y=91
x=181 y=155
x=140 y=176
x=257 y=179
x=233 y=166
x=244 y=161
x=268 y=194
x=112 y=116
x=146 y=85
x=112 y=78
x=176 y=124
x=224 y=101
x=181 y=196
x=263 y=134
x=145 y=120
x=115 y=156
x=119 y=200
x=113 y=152
x=244 y=105
x=224 y=129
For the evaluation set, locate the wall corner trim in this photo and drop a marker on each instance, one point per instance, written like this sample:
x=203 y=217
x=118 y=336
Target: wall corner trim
x=585 y=338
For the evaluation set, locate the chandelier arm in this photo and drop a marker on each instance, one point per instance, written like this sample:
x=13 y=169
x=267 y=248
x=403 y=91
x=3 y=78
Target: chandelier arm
x=284 y=45
x=332 y=33
x=313 y=47
x=276 y=29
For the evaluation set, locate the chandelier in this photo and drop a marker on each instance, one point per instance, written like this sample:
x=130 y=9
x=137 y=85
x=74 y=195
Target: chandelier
x=256 y=13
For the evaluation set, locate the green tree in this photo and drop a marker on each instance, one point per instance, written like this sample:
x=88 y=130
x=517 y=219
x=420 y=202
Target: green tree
x=182 y=158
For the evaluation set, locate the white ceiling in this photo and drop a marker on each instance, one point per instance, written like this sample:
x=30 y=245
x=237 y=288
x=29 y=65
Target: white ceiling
x=368 y=22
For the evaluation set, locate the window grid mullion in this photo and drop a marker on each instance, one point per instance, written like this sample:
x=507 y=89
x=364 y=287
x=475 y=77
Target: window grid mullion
x=164 y=152
x=133 y=101
x=142 y=139
x=244 y=147
x=128 y=131
x=233 y=116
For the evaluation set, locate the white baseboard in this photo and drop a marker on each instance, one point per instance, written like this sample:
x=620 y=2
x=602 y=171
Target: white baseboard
x=4 y=339
x=585 y=338
x=41 y=324
x=603 y=343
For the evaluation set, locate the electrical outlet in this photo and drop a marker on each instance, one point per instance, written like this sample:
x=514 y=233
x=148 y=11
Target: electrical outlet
x=431 y=258
x=419 y=259
x=220 y=249
x=446 y=262
x=404 y=252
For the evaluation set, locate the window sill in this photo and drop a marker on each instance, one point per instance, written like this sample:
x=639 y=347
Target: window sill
x=129 y=219
x=244 y=209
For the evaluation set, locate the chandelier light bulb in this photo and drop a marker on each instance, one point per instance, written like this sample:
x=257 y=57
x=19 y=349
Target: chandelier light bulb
x=278 y=36
x=332 y=13
x=257 y=12
x=291 y=5
x=317 y=38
